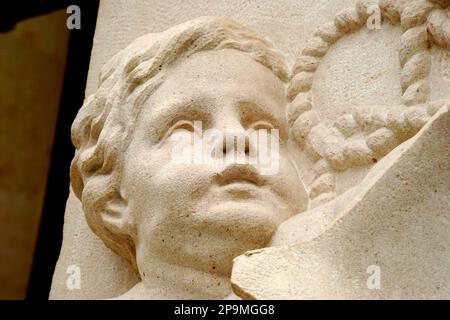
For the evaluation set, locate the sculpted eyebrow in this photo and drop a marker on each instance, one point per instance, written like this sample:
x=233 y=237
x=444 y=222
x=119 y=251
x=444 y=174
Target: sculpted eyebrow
x=172 y=112
x=248 y=109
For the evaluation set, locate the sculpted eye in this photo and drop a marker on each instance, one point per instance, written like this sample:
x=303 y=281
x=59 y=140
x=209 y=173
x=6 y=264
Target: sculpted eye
x=180 y=128
x=184 y=125
x=259 y=125
x=270 y=128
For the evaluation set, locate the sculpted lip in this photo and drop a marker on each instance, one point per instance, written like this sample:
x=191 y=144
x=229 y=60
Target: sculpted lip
x=239 y=173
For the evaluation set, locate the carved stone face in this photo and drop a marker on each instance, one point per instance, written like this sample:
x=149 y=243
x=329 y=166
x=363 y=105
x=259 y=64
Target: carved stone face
x=203 y=215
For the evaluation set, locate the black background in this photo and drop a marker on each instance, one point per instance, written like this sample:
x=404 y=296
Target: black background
x=51 y=226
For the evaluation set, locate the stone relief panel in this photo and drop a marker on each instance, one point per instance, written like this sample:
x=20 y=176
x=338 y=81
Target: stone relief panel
x=205 y=142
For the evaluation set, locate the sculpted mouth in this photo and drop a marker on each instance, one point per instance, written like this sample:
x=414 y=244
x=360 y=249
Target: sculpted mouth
x=239 y=174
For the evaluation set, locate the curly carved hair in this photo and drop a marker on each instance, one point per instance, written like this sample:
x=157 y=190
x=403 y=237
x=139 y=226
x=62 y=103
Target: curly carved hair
x=104 y=125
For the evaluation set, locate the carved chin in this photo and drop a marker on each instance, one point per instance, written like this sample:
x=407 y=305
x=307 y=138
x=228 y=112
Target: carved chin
x=228 y=230
x=251 y=224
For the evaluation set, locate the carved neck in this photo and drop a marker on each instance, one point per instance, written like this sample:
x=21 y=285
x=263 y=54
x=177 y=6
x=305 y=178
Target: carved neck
x=161 y=280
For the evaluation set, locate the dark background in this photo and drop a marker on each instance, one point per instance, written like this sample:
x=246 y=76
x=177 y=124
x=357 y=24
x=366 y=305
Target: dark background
x=50 y=231
x=79 y=49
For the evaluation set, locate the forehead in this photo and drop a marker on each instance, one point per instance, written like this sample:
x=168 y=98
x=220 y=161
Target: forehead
x=218 y=77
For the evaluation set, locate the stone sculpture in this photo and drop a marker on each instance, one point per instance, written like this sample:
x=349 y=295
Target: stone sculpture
x=180 y=225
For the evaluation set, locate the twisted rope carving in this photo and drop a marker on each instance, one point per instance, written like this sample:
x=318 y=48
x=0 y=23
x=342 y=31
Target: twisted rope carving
x=368 y=133
x=439 y=24
x=415 y=58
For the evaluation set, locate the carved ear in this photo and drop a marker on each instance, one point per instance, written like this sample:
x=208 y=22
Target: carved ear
x=117 y=218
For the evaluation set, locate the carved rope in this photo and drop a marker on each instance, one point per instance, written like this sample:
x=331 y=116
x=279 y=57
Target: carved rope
x=381 y=128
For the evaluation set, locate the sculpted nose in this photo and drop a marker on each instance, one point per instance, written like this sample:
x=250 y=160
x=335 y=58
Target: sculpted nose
x=236 y=141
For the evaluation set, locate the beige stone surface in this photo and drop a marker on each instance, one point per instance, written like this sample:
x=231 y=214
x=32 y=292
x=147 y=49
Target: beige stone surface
x=32 y=63
x=397 y=220
x=354 y=94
